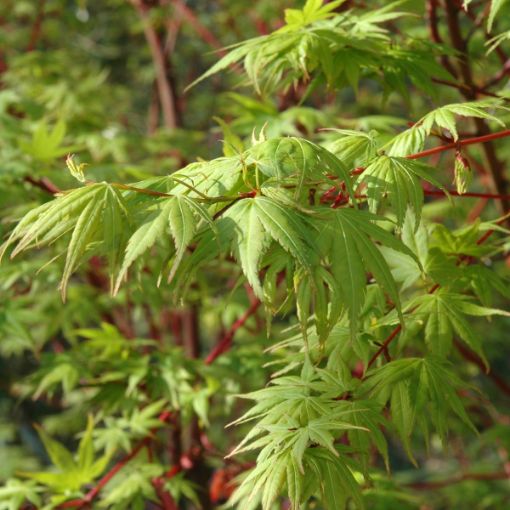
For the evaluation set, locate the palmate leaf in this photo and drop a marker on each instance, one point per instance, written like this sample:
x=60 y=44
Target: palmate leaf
x=313 y=10
x=398 y=179
x=444 y=117
x=268 y=221
x=83 y=231
x=299 y=421
x=145 y=237
x=445 y=313
x=404 y=269
x=178 y=214
x=412 y=140
x=214 y=178
x=330 y=470
x=346 y=241
x=80 y=211
x=115 y=230
x=15 y=493
x=336 y=51
x=319 y=294
x=352 y=148
x=419 y=390
x=71 y=474
x=337 y=483
x=251 y=240
x=100 y=213
x=298 y=161
x=45 y=222
x=287 y=228
x=132 y=486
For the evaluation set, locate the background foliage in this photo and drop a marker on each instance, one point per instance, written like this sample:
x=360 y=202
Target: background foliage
x=309 y=245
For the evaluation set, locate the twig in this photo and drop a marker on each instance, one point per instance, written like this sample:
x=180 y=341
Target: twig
x=164 y=496
x=43 y=183
x=462 y=87
x=464 y=66
x=94 y=492
x=467 y=194
x=36 y=27
x=432 y=6
x=226 y=341
x=467 y=141
x=166 y=92
x=190 y=17
x=433 y=289
x=469 y=355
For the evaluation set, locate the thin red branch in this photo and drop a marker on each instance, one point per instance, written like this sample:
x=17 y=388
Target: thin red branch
x=460 y=86
x=467 y=194
x=385 y=344
x=398 y=328
x=226 y=341
x=453 y=9
x=165 y=90
x=472 y=357
x=36 y=27
x=94 y=492
x=503 y=72
x=432 y=7
x=454 y=145
x=43 y=183
x=167 y=501
x=202 y=31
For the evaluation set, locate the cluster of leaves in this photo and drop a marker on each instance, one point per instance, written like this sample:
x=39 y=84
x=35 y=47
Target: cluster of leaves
x=335 y=49
x=366 y=286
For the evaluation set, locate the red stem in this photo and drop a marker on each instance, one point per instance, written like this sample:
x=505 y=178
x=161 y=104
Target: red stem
x=164 y=496
x=202 y=31
x=36 y=27
x=93 y=493
x=457 y=194
x=454 y=145
x=43 y=183
x=385 y=344
x=226 y=341
x=433 y=289
x=469 y=355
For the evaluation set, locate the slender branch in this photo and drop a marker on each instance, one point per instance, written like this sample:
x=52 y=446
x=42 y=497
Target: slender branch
x=434 y=193
x=432 y=6
x=166 y=92
x=226 y=341
x=467 y=141
x=203 y=32
x=164 y=496
x=503 y=72
x=453 y=145
x=469 y=355
x=94 y=492
x=36 y=27
x=467 y=194
x=433 y=289
x=460 y=44
x=462 y=87
x=43 y=183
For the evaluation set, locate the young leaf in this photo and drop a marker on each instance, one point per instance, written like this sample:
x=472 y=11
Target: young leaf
x=398 y=179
